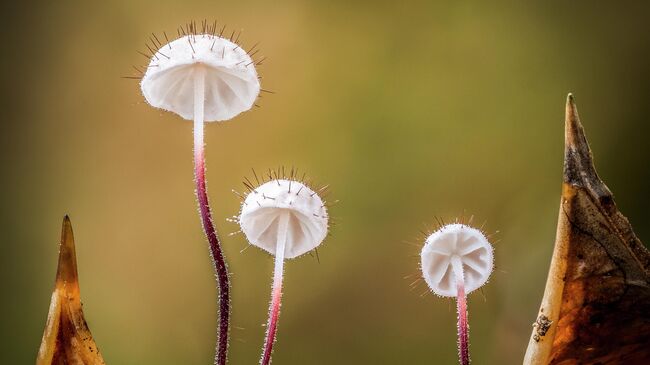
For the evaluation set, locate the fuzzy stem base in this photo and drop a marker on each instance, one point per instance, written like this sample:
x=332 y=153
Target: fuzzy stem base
x=276 y=291
x=206 y=219
x=463 y=330
x=461 y=308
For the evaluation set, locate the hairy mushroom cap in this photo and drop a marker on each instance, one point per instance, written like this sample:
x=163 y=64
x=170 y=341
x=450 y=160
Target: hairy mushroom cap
x=231 y=83
x=266 y=204
x=452 y=241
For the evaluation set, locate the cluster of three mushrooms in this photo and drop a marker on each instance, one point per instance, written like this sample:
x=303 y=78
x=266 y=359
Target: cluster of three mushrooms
x=206 y=77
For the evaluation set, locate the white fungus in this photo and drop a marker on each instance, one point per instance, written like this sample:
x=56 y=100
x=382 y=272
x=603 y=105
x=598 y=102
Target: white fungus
x=205 y=78
x=223 y=70
x=455 y=254
x=284 y=213
x=287 y=219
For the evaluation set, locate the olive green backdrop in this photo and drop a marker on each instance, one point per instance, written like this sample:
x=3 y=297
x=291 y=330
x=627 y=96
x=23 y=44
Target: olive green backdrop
x=409 y=110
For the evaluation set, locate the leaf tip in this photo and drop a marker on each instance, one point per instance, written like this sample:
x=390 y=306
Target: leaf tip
x=578 y=160
x=574 y=135
x=66 y=273
x=67 y=338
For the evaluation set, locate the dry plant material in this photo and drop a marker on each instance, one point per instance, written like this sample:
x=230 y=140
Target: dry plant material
x=596 y=305
x=67 y=338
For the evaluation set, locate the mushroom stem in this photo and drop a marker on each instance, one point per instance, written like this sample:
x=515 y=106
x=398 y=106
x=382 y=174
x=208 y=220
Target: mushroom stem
x=206 y=219
x=461 y=307
x=276 y=293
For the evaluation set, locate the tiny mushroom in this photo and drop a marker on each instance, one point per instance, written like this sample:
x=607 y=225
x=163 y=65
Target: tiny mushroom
x=287 y=219
x=456 y=260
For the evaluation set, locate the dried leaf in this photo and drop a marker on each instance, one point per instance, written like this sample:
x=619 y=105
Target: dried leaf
x=67 y=339
x=596 y=305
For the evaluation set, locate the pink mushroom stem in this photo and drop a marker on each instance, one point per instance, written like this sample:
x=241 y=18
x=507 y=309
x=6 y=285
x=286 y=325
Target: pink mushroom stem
x=276 y=291
x=463 y=333
x=461 y=307
x=218 y=261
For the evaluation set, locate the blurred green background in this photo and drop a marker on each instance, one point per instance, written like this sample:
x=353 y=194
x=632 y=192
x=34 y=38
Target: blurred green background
x=409 y=110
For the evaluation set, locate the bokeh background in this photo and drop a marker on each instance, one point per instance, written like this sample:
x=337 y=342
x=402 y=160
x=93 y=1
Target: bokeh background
x=409 y=110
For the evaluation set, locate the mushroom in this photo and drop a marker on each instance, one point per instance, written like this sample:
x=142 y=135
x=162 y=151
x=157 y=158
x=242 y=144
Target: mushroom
x=287 y=219
x=205 y=78
x=201 y=77
x=456 y=260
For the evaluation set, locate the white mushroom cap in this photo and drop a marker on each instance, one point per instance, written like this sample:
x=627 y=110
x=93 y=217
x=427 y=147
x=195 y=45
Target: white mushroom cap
x=456 y=242
x=231 y=83
x=263 y=208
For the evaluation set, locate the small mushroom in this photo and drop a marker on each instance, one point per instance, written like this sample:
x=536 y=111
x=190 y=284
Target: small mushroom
x=287 y=219
x=456 y=260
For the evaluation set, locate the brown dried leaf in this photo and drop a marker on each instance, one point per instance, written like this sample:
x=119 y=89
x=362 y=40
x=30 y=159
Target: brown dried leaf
x=67 y=339
x=596 y=305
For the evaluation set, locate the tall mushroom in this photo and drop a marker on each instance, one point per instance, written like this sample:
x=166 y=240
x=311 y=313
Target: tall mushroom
x=204 y=77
